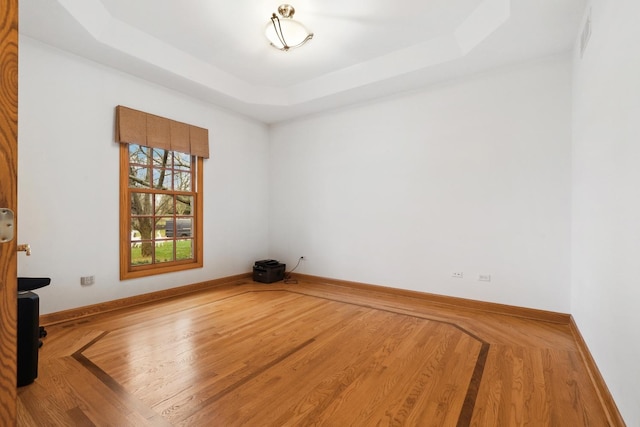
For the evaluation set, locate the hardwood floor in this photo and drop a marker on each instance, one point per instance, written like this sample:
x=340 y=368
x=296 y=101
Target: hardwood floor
x=252 y=354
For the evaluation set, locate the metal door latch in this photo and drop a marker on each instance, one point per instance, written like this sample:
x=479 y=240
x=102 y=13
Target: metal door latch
x=7 y=228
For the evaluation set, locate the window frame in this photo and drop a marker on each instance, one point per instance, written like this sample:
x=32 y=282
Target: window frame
x=129 y=271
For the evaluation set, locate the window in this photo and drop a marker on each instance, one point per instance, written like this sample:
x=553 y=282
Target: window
x=160 y=198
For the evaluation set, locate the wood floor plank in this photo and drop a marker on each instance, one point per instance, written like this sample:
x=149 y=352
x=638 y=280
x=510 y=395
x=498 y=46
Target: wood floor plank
x=308 y=354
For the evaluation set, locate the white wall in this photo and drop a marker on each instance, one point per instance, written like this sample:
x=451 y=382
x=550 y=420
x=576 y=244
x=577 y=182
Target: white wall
x=472 y=176
x=68 y=179
x=606 y=202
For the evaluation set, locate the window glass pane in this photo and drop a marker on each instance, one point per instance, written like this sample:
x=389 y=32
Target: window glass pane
x=184 y=249
x=184 y=205
x=138 y=154
x=184 y=227
x=182 y=181
x=137 y=257
x=182 y=161
x=143 y=225
x=164 y=252
x=164 y=204
x=141 y=204
x=162 y=179
x=161 y=158
x=139 y=177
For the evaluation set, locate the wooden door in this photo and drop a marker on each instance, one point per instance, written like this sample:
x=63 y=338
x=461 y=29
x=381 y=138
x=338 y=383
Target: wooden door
x=8 y=199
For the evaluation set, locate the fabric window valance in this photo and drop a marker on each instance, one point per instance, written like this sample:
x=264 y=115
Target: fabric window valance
x=137 y=127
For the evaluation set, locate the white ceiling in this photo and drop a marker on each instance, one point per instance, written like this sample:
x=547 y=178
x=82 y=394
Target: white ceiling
x=362 y=49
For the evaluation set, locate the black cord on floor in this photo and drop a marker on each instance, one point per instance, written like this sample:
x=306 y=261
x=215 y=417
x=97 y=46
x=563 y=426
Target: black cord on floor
x=287 y=276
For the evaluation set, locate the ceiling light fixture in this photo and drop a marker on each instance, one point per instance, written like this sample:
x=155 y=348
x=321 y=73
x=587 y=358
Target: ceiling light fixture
x=285 y=33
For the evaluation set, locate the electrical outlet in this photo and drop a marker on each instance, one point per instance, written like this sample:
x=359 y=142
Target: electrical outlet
x=87 y=280
x=457 y=274
x=484 y=278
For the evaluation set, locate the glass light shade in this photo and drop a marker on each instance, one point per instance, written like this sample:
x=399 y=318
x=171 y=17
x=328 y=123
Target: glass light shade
x=294 y=34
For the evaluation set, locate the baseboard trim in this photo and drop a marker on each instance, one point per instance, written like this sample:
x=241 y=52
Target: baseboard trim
x=103 y=307
x=487 y=307
x=606 y=399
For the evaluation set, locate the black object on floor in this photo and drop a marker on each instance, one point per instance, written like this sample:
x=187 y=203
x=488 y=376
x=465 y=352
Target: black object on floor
x=29 y=329
x=28 y=337
x=268 y=271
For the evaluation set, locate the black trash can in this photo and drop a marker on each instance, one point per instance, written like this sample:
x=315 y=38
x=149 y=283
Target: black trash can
x=28 y=337
x=29 y=330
